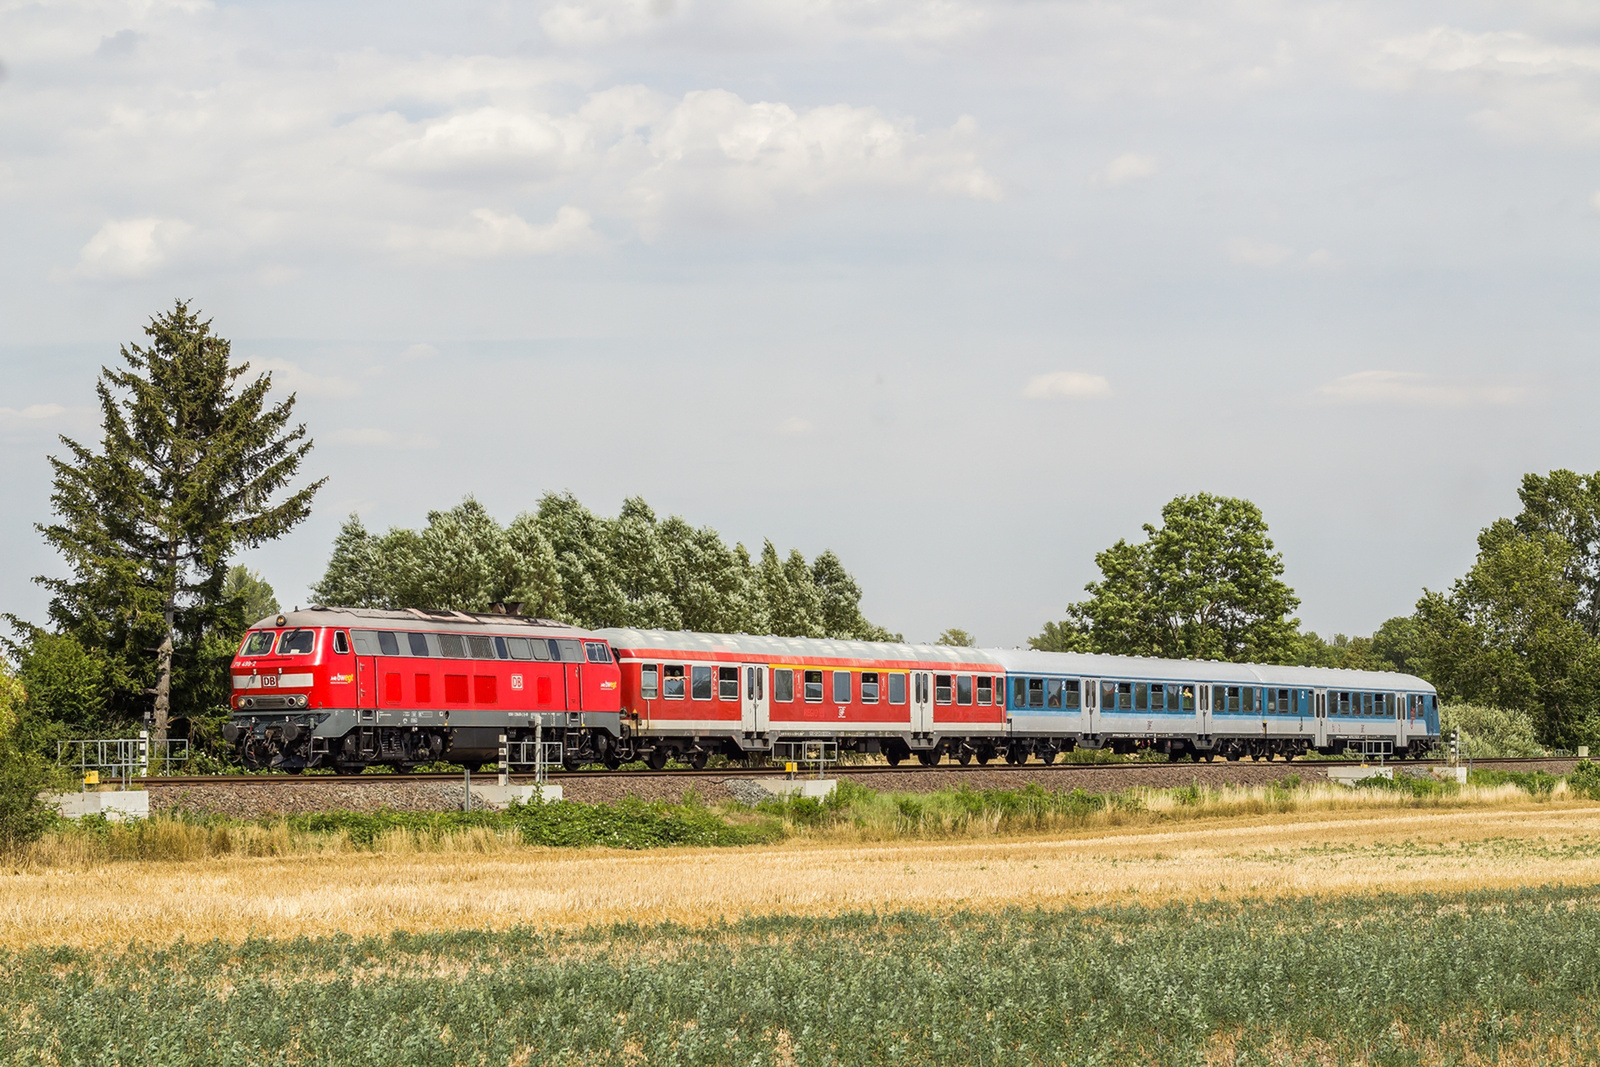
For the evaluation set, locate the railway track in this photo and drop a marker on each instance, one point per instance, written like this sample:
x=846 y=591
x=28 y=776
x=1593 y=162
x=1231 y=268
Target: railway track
x=1032 y=769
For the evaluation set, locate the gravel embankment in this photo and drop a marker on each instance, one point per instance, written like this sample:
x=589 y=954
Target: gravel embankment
x=248 y=801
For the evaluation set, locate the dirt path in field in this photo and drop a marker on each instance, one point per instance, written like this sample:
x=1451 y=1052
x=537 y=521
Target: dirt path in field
x=373 y=894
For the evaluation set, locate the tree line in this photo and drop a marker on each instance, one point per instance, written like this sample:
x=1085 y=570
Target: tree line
x=1520 y=631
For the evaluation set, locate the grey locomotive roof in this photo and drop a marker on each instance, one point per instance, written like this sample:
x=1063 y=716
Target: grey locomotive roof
x=1182 y=670
x=412 y=619
x=777 y=649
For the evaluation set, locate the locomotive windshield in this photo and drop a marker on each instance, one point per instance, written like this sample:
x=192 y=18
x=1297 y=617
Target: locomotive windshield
x=296 y=642
x=258 y=643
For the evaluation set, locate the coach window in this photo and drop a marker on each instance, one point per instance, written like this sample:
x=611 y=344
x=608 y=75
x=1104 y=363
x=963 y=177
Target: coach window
x=842 y=687
x=1141 y=696
x=897 y=688
x=1341 y=703
x=985 y=690
x=672 y=681
x=1108 y=696
x=1366 y=704
x=649 y=676
x=340 y=644
x=1158 y=698
x=1035 y=692
x=296 y=642
x=1186 y=698
x=1248 y=700
x=941 y=689
x=963 y=689
x=453 y=646
x=1069 y=694
x=783 y=685
x=1052 y=693
x=519 y=647
x=1124 y=696
x=598 y=652
x=699 y=683
x=869 y=687
x=728 y=683
x=1019 y=692
x=813 y=683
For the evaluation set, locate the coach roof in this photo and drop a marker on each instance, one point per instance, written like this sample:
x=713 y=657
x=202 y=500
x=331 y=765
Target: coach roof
x=782 y=649
x=1086 y=665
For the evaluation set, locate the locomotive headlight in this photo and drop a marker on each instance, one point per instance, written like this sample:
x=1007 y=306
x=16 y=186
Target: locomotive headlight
x=248 y=702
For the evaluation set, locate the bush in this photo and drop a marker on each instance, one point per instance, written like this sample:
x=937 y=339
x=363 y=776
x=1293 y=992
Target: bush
x=23 y=816
x=1490 y=733
x=1585 y=780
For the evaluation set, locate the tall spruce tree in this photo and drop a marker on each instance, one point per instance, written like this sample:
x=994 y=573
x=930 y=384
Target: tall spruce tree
x=191 y=461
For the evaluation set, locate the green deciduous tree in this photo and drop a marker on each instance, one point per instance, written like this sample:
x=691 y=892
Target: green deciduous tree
x=564 y=562
x=191 y=465
x=1206 y=584
x=956 y=637
x=251 y=593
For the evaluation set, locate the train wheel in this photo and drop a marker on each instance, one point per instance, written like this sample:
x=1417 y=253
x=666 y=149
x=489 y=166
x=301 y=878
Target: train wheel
x=984 y=756
x=892 y=758
x=657 y=760
x=293 y=770
x=1047 y=757
x=571 y=763
x=698 y=760
x=612 y=761
x=964 y=757
x=1210 y=757
x=348 y=768
x=403 y=768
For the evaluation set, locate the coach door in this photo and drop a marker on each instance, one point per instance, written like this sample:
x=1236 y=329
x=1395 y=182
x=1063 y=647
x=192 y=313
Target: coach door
x=754 y=712
x=1091 y=706
x=922 y=703
x=1320 y=699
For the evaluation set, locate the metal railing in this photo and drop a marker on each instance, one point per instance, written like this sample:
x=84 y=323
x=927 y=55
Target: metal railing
x=815 y=754
x=121 y=758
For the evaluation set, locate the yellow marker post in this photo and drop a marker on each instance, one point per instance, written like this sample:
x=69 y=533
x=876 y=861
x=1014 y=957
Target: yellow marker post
x=91 y=777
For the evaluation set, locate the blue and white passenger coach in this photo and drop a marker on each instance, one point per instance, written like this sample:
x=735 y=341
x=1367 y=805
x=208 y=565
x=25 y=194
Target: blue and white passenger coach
x=1203 y=709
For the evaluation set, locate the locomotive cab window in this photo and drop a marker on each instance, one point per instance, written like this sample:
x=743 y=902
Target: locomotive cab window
x=672 y=687
x=985 y=690
x=296 y=643
x=783 y=685
x=842 y=687
x=941 y=689
x=258 y=643
x=649 y=676
x=963 y=689
x=813 y=684
x=897 y=689
x=341 y=644
x=869 y=687
x=569 y=651
x=599 y=653
x=727 y=682
x=700 y=683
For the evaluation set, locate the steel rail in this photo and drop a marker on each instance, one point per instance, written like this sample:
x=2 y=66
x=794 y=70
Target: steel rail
x=175 y=781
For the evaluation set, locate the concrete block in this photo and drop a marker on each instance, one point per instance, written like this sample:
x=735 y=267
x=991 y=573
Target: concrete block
x=1352 y=775
x=116 y=805
x=816 y=788
x=1449 y=774
x=499 y=797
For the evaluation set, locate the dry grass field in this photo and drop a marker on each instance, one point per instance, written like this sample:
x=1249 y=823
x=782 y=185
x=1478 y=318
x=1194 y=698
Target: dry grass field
x=480 y=881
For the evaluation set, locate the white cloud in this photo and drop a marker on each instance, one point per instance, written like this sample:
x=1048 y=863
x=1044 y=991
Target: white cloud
x=1065 y=383
x=592 y=23
x=1530 y=88
x=130 y=248
x=1408 y=389
x=529 y=143
x=33 y=412
x=795 y=426
x=1252 y=253
x=292 y=378
x=492 y=233
x=1126 y=168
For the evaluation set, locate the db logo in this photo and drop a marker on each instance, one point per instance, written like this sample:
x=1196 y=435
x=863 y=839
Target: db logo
x=516 y=681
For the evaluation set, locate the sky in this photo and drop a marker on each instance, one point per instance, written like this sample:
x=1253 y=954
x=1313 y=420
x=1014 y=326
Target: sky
x=964 y=291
